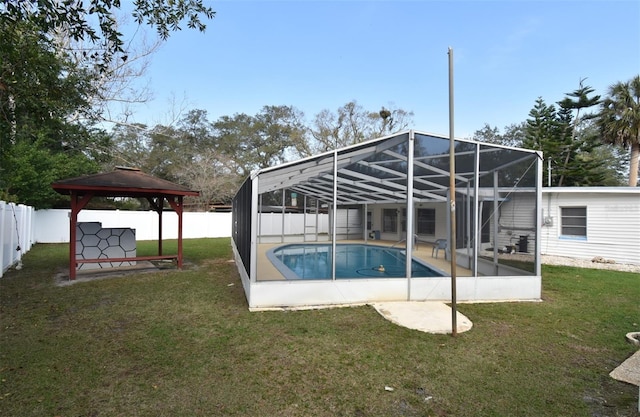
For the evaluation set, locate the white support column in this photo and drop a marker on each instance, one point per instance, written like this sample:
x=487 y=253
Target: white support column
x=538 y=267
x=253 y=274
x=364 y=223
x=409 y=238
x=283 y=214
x=476 y=213
x=334 y=208
x=259 y=221
x=496 y=219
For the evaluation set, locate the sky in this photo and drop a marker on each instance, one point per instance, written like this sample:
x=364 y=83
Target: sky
x=316 y=55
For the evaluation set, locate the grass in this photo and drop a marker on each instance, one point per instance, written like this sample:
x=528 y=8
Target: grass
x=183 y=343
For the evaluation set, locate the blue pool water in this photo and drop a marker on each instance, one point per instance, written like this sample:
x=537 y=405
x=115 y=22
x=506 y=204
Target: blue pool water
x=313 y=261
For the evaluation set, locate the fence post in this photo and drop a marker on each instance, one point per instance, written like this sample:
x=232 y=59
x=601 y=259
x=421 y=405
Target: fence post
x=2 y=237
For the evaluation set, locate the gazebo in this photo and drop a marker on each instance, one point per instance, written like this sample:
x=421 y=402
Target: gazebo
x=301 y=229
x=123 y=182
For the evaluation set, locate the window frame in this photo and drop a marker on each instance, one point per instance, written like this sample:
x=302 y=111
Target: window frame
x=569 y=222
x=392 y=222
x=430 y=221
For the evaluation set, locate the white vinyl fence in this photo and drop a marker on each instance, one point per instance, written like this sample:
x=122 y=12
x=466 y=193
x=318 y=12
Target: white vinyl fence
x=16 y=233
x=52 y=226
x=21 y=226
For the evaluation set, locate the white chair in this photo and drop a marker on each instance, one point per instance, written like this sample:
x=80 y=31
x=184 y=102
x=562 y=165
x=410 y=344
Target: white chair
x=438 y=245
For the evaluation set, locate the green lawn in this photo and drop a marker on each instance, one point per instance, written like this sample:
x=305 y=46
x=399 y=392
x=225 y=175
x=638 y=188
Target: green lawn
x=183 y=343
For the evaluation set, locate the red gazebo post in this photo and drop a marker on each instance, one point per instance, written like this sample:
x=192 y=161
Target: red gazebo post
x=177 y=206
x=77 y=203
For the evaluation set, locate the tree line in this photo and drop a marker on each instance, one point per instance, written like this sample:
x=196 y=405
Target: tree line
x=60 y=76
x=586 y=140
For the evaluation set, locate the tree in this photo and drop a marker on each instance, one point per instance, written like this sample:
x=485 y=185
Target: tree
x=352 y=124
x=389 y=121
x=76 y=18
x=513 y=135
x=619 y=121
x=212 y=175
x=577 y=100
x=115 y=89
x=540 y=131
x=39 y=90
x=52 y=92
x=569 y=143
x=260 y=141
x=130 y=146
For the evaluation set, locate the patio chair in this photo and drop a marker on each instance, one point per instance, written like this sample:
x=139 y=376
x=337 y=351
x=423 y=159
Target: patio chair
x=438 y=245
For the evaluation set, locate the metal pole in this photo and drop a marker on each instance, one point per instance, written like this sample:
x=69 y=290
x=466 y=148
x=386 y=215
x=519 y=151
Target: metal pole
x=452 y=202
x=334 y=210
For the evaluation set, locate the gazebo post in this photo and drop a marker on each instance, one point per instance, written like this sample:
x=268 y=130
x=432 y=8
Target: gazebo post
x=77 y=204
x=179 y=211
x=160 y=209
x=177 y=207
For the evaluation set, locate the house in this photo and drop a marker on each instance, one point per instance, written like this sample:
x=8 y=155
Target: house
x=601 y=223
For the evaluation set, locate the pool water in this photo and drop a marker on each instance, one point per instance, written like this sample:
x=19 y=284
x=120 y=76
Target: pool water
x=313 y=261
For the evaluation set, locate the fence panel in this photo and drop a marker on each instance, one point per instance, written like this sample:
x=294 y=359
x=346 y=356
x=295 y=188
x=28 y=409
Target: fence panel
x=52 y=226
x=16 y=233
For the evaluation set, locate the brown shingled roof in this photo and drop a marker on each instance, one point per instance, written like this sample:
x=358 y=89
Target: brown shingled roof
x=121 y=182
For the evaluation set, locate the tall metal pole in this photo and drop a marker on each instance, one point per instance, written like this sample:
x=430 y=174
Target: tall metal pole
x=452 y=203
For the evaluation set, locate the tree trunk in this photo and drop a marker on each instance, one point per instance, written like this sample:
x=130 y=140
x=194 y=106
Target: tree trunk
x=633 y=165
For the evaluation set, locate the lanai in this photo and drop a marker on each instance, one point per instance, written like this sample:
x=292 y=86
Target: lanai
x=397 y=179
x=123 y=182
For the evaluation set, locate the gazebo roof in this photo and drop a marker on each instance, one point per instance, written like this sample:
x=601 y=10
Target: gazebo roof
x=121 y=182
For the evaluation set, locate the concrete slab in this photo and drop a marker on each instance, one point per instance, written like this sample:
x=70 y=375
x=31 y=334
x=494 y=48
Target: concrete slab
x=141 y=267
x=629 y=370
x=425 y=316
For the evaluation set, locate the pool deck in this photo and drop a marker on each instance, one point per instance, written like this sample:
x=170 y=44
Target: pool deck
x=268 y=272
x=425 y=316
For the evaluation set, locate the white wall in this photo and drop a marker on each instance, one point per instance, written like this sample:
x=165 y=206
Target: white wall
x=613 y=223
x=52 y=226
x=294 y=223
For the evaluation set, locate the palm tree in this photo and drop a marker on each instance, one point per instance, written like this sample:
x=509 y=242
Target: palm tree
x=619 y=121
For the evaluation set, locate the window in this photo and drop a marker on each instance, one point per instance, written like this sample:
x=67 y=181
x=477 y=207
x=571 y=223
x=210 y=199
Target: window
x=369 y=221
x=390 y=220
x=574 y=221
x=427 y=221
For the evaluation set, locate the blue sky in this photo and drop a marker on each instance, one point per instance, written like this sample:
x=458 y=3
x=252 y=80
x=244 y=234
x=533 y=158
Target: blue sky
x=317 y=55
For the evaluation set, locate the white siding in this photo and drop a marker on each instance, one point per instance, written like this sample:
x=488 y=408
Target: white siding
x=613 y=224
x=517 y=219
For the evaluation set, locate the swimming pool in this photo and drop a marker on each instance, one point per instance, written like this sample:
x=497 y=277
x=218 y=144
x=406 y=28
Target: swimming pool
x=313 y=261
